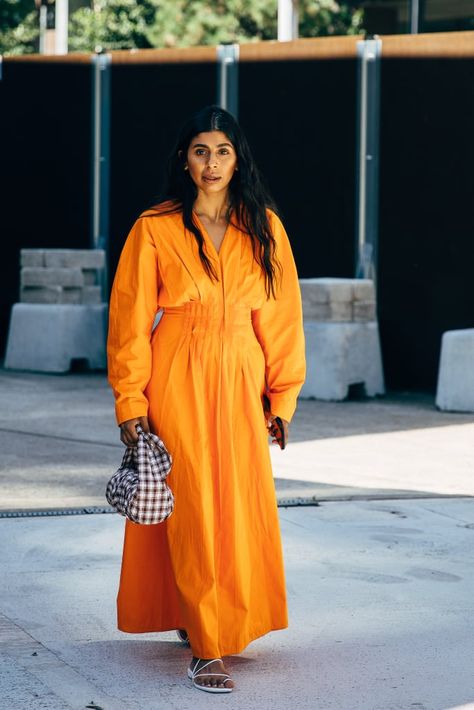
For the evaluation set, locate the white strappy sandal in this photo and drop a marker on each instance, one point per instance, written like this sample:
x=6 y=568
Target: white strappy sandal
x=207 y=688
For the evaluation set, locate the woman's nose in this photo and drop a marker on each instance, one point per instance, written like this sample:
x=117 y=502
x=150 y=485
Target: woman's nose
x=212 y=160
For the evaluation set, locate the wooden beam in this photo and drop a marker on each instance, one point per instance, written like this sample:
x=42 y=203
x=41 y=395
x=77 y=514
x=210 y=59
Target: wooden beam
x=423 y=46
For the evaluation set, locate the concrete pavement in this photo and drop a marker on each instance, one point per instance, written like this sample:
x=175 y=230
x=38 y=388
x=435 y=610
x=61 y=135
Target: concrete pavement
x=380 y=599
x=60 y=445
x=379 y=588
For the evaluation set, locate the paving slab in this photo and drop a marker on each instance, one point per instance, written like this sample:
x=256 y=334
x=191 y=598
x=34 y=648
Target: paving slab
x=380 y=601
x=380 y=587
x=60 y=444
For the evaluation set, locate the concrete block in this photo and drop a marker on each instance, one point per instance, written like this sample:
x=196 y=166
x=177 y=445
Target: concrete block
x=44 y=294
x=91 y=277
x=363 y=311
x=312 y=293
x=45 y=338
x=333 y=311
x=31 y=257
x=37 y=276
x=455 y=390
x=78 y=258
x=363 y=290
x=326 y=290
x=338 y=300
x=342 y=338
x=339 y=355
x=71 y=296
x=92 y=294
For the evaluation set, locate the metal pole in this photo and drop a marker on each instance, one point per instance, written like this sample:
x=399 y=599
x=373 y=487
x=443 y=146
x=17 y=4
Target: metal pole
x=288 y=20
x=367 y=171
x=43 y=23
x=62 y=20
x=414 y=16
x=228 y=78
x=101 y=70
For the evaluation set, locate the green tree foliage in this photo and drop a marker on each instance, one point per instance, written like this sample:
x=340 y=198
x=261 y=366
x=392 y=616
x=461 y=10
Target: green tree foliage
x=112 y=24
x=13 y=12
x=320 y=18
x=127 y=24
x=123 y=24
x=186 y=23
x=18 y=26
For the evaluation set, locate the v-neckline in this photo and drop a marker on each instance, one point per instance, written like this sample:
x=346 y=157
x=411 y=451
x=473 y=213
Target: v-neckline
x=206 y=233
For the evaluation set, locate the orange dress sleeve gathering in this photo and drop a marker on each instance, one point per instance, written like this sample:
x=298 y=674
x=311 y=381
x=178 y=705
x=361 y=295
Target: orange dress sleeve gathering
x=215 y=567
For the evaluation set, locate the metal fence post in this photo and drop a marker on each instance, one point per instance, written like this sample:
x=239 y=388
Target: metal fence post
x=288 y=20
x=416 y=16
x=101 y=70
x=367 y=155
x=228 y=78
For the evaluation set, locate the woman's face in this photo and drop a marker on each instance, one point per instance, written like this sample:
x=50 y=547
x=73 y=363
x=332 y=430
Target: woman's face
x=211 y=161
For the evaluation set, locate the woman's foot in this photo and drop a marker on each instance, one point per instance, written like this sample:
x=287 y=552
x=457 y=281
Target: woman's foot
x=210 y=674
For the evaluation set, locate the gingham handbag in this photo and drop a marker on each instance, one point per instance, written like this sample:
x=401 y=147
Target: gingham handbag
x=138 y=489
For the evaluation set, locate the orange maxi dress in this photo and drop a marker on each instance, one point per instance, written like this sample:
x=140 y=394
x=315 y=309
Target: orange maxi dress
x=215 y=567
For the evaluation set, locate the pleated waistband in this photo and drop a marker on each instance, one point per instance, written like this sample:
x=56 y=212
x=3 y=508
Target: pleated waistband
x=198 y=317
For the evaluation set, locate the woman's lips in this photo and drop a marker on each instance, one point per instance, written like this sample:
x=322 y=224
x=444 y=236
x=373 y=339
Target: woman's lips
x=210 y=178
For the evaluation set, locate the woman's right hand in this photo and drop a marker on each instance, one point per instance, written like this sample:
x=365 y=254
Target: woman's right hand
x=128 y=431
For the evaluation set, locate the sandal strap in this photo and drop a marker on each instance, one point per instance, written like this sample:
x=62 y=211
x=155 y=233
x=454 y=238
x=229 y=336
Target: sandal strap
x=205 y=665
x=198 y=675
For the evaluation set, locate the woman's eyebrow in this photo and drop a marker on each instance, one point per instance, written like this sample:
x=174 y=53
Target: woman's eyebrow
x=203 y=145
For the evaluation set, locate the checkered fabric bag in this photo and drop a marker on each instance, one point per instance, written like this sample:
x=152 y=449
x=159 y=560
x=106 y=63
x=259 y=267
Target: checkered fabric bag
x=138 y=489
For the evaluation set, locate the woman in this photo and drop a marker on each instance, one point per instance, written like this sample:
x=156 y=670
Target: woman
x=215 y=258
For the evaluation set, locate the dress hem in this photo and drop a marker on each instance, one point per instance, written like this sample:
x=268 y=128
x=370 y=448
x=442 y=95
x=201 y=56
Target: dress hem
x=230 y=651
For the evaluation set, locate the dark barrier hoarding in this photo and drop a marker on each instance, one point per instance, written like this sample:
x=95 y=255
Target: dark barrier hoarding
x=426 y=219
x=45 y=128
x=299 y=113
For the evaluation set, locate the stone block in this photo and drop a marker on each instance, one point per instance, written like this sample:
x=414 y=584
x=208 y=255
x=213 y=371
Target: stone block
x=75 y=258
x=71 y=296
x=339 y=355
x=45 y=338
x=363 y=311
x=91 y=294
x=363 y=290
x=312 y=293
x=326 y=290
x=338 y=300
x=91 y=277
x=455 y=390
x=32 y=257
x=338 y=290
x=44 y=294
x=330 y=312
x=37 y=276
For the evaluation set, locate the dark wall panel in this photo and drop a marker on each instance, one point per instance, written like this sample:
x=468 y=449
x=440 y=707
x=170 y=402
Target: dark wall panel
x=300 y=121
x=299 y=117
x=45 y=175
x=149 y=105
x=426 y=259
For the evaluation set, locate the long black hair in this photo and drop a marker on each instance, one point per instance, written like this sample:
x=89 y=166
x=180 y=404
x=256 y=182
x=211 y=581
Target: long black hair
x=248 y=194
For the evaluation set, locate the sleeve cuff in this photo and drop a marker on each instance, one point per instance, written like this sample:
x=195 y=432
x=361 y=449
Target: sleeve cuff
x=283 y=405
x=130 y=409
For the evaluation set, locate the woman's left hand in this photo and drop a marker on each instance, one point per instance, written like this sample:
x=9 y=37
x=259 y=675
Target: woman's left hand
x=269 y=420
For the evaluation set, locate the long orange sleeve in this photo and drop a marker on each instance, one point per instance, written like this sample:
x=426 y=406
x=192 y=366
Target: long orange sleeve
x=278 y=325
x=133 y=307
